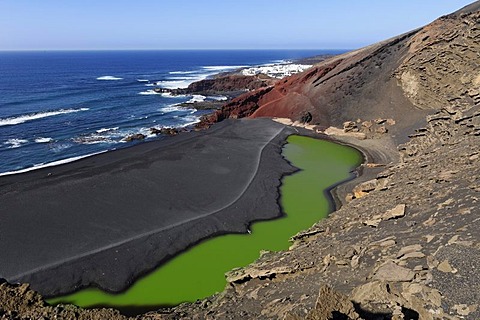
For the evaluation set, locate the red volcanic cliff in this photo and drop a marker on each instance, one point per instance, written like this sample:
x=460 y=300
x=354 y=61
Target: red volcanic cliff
x=397 y=79
x=225 y=83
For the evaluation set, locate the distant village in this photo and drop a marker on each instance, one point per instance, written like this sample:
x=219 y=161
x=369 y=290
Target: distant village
x=276 y=71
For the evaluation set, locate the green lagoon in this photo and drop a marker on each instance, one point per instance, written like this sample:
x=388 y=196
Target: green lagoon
x=199 y=271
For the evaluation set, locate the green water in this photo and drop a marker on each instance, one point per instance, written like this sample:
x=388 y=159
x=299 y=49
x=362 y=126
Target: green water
x=199 y=272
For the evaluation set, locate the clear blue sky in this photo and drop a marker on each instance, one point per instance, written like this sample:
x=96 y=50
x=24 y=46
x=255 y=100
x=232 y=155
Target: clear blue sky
x=210 y=24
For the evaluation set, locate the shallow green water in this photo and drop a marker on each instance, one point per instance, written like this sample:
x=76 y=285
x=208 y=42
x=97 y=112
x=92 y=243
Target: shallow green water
x=199 y=272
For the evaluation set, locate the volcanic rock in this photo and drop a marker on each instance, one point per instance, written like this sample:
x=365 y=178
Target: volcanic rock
x=133 y=137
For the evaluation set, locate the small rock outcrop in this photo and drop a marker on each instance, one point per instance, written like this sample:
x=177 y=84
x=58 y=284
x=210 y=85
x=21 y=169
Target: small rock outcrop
x=133 y=137
x=164 y=131
x=230 y=84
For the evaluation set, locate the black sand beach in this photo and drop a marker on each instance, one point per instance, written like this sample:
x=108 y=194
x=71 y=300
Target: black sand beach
x=106 y=219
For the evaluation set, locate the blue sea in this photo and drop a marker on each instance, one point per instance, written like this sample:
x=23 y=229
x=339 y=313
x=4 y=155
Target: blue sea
x=58 y=106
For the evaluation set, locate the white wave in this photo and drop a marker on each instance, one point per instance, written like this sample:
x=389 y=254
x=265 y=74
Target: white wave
x=109 y=78
x=178 y=84
x=189 y=120
x=50 y=164
x=148 y=92
x=103 y=135
x=150 y=85
x=143 y=80
x=107 y=129
x=171 y=109
x=196 y=98
x=170 y=95
x=218 y=98
x=184 y=82
x=93 y=139
x=34 y=116
x=15 y=143
x=43 y=140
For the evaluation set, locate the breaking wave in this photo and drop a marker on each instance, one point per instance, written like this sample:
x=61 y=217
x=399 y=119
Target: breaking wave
x=109 y=78
x=149 y=92
x=196 y=98
x=106 y=129
x=50 y=164
x=171 y=109
x=34 y=116
x=43 y=140
x=15 y=143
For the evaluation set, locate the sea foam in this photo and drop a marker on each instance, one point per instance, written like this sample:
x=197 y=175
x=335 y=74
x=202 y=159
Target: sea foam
x=50 y=164
x=109 y=78
x=15 y=143
x=34 y=116
x=217 y=98
x=148 y=92
x=172 y=108
x=190 y=120
x=107 y=129
x=179 y=82
x=43 y=140
x=196 y=98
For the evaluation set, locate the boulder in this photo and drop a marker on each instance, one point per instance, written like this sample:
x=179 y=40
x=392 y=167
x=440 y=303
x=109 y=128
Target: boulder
x=390 y=271
x=133 y=137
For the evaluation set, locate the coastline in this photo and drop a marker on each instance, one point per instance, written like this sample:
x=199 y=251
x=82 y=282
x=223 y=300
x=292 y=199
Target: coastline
x=82 y=168
x=64 y=268
x=75 y=119
x=57 y=278
x=63 y=272
x=67 y=268
x=199 y=272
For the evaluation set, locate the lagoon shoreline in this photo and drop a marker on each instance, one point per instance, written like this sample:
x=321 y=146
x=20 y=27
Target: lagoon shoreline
x=61 y=200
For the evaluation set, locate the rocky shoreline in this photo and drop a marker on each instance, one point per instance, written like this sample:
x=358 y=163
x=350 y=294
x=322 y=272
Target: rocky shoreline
x=230 y=85
x=404 y=246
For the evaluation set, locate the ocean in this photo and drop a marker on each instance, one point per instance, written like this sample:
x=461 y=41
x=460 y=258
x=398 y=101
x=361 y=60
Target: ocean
x=58 y=106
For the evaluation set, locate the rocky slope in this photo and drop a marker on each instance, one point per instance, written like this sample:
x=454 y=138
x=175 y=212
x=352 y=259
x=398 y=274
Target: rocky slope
x=402 y=78
x=405 y=244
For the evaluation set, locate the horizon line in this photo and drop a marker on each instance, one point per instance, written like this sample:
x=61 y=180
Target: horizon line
x=181 y=49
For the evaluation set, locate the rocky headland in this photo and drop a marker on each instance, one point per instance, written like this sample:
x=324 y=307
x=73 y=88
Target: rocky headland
x=229 y=85
x=404 y=242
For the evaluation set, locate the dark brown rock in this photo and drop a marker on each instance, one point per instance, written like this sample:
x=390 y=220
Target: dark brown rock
x=165 y=131
x=133 y=137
